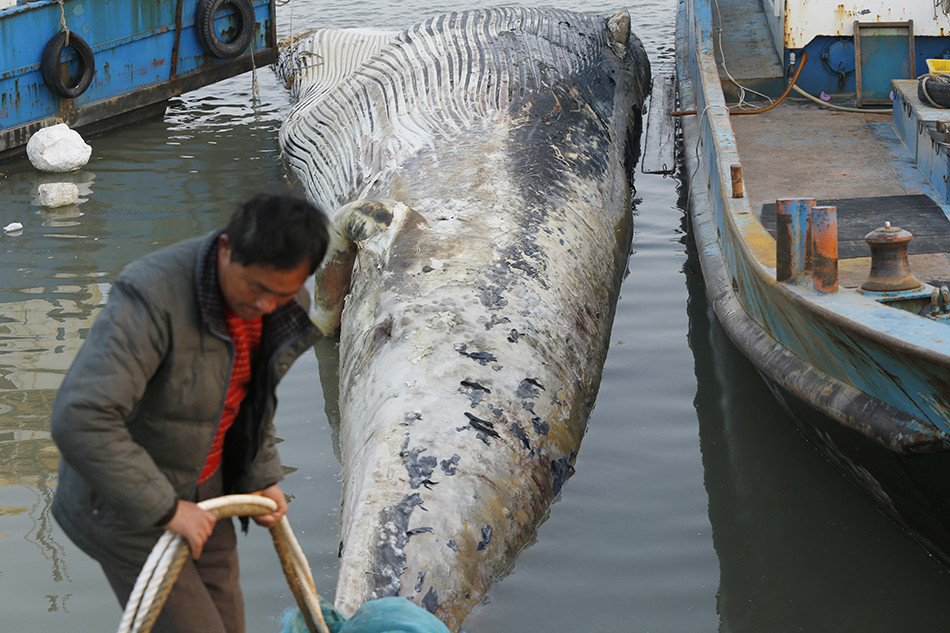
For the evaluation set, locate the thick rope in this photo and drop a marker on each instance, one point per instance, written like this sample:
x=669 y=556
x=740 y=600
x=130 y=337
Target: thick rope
x=255 y=88
x=299 y=578
x=940 y=79
x=164 y=563
x=281 y=3
x=62 y=20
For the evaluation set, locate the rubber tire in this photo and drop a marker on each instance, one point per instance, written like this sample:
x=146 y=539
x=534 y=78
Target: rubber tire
x=208 y=36
x=50 y=66
x=939 y=91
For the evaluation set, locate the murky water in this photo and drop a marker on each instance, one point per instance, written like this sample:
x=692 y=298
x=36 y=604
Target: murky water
x=694 y=507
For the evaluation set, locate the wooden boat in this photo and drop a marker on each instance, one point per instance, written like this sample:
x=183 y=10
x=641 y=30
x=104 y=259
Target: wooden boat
x=787 y=207
x=95 y=67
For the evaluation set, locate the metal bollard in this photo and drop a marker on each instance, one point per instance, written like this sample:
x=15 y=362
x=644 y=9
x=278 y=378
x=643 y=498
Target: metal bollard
x=792 y=242
x=824 y=237
x=890 y=267
x=735 y=172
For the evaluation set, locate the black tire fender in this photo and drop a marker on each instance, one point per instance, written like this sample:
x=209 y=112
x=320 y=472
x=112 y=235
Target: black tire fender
x=208 y=36
x=51 y=67
x=933 y=91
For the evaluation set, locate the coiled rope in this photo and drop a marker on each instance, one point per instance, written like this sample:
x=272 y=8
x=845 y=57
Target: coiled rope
x=164 y=564
x=923 y=80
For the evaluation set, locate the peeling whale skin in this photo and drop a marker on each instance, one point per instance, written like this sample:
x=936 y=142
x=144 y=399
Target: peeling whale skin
x=479 y=167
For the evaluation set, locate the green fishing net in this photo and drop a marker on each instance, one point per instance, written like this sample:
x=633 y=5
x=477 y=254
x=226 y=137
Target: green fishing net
x=384 y=615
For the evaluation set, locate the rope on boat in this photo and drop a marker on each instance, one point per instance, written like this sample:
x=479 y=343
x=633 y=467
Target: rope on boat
x=742 y=89
x=766 y=108
x=255 y=88
x=62 y=20
x=940 y=79
x=164 y=564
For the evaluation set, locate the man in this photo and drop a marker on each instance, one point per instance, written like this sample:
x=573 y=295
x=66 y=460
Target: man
x=171 y=399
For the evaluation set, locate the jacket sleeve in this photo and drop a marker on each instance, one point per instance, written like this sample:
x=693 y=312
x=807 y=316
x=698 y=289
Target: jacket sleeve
x=125 y=346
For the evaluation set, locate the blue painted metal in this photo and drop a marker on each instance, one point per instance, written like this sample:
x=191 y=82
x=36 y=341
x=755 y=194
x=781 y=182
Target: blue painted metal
x=878 y=375
x=145 y=51
x=818 y=78
x=917 y=126
x=884 y=55
x=838 y=58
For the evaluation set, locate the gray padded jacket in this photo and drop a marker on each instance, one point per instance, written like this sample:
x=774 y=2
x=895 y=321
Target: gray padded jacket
x=136 y=413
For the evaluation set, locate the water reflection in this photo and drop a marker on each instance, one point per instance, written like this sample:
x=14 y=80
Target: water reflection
x=800 y=548
x=39 y=336
x=40 y=331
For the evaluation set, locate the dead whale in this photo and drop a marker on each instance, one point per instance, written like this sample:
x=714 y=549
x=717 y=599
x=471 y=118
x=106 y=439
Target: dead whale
x=478 y=167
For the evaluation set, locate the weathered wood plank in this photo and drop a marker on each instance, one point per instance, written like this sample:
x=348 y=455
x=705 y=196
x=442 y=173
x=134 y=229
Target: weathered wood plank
x=660 y=142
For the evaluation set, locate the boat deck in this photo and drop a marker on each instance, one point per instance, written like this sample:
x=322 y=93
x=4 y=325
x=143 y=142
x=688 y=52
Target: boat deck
x=751 y=59
x=853 y=161
x=840 y=154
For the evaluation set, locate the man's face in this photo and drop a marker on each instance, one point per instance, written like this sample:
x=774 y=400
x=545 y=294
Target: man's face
x=255 y=290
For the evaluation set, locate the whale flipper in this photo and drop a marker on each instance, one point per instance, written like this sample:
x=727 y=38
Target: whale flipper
x=351 y=224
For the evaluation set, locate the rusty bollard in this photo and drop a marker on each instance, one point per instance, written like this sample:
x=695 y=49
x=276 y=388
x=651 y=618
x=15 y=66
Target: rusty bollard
x=890 y=268
x=824 y=253
x=735 y=172
x=792 y=242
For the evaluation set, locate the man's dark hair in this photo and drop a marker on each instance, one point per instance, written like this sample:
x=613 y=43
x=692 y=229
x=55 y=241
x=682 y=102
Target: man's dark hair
x=277 y=230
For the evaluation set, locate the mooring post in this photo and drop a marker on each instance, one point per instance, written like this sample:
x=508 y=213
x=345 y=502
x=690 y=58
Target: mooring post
x=890 y=265
x=735 y=172
x=792 y=252
x=824 y=256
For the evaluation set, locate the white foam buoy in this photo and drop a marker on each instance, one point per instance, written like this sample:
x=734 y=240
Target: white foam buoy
x=13 y=227
x=58 y=149
x=56 y=194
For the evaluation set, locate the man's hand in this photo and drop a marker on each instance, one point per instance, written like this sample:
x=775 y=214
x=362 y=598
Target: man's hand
x=269 y=520
x=194 y=524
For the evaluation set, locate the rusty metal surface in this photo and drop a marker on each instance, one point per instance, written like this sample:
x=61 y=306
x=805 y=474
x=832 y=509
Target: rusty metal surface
x=792 y=237
x=890 y=266
x=804 y=19
x=823 y=227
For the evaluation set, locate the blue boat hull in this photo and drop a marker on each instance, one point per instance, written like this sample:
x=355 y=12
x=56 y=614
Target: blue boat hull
x=909 y=488
x=865 y=382
x=137 y=56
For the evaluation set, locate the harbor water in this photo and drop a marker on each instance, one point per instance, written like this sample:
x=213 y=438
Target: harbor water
x=694 y=506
